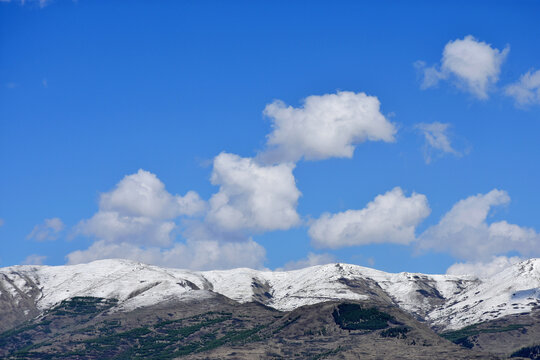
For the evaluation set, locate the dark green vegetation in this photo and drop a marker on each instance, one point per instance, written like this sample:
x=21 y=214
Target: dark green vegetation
x=218 y=328
x=356 y=317
x=508 y=336
x=464 y=336
x=168 y=339
x=163 y=340
x=399 y=332
x=78 y=309
x=82 y=305
x=531 y=352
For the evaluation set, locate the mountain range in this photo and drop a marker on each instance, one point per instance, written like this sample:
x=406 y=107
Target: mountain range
x=326 y=311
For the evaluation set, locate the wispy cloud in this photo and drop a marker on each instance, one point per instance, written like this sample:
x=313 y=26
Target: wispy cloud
x=48 y=230
x=437 y=139
x=526 y=91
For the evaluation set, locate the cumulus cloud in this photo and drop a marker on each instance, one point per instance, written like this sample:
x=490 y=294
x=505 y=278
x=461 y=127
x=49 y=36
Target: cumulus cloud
x=389 y=218
x=48 y=230
x=252 y=196
x=464 y=232
x=34 y=259
x=483 y=269
x=473 y=65
x=139 y=210
x=138 y=220
x=325 y=126
x=436 y=139
x=196 y=255
x=255 y=195
x=143 y=194
x=526 y=91
x=114 y=227
x=312 y=259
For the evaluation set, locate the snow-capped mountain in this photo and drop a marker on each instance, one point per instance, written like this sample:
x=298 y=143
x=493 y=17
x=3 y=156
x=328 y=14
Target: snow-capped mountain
x=445 y=301
x=514 y=290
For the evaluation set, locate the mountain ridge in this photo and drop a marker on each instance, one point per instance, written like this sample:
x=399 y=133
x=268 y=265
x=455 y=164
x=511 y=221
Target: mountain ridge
x=445 y=302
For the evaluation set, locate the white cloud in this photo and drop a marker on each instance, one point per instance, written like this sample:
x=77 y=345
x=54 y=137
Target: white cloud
x=1 y=222
x=139 y=210
x=436 y=139
x=312 y=259
x=389 y=218
x=114 y=227
x=526 y=91
x=48 y=230
x=325 y=126
x=464 y=232
x=137 y=219
x=251 y=196
x=34 y=259
x=483 y=269
x=143 y=194
x=473 y=64
x=430 y=75
x=196 y=255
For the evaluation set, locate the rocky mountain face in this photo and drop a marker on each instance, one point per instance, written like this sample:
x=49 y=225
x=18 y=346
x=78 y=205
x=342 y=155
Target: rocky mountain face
x=124 y=309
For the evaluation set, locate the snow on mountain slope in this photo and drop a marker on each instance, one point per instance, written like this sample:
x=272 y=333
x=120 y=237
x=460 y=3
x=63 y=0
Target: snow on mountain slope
x=420 y=293
x=136 y=284
x=132 y=283
x=416 y=293
x=445 y=301
x=512 y=291
x=284 y=290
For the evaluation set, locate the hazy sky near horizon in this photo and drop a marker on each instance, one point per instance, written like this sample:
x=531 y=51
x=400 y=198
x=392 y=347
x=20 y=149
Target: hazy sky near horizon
x=397 y=135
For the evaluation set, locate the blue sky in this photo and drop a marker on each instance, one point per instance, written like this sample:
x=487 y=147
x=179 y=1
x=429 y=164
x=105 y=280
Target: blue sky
x=92 y=92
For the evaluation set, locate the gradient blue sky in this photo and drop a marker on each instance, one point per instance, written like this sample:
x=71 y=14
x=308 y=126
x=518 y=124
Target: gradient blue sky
x=92 y=91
